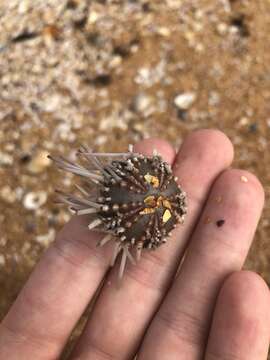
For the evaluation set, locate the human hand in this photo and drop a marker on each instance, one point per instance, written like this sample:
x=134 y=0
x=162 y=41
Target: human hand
x=211 y=310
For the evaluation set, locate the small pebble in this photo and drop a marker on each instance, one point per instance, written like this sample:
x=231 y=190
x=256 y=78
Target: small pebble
x=142 y=102
x=115 y=61
x=46 y=239
x=214 y=98
x=30 y=227
x=34 y=200
x=2 y=260
x=50 y=33
x=93 y=17
x=182 y=114
x=164 y=31
x=39 y=162
x=8 y=194
x=222 y=28
x=3 y=241
x=253 y=127
x=23 y=6
x=5 y=159
x=185 y=100
x=244 y=179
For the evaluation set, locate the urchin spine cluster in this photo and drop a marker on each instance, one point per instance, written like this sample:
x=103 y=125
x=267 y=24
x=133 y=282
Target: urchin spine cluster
x=132 y=198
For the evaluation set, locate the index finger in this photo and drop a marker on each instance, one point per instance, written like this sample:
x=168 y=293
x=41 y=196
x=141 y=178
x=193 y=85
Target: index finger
x=59 y=289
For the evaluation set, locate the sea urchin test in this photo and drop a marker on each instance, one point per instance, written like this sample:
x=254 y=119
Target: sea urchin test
x=133 y=199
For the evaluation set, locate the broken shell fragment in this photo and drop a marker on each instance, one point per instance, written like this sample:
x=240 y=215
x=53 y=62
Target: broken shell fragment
x=34 y=200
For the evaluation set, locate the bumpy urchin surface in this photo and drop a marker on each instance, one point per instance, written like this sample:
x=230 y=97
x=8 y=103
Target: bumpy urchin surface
x=135 y=200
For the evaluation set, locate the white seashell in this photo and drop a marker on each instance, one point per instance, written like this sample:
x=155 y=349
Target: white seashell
x=34 y=200
x=185 y=100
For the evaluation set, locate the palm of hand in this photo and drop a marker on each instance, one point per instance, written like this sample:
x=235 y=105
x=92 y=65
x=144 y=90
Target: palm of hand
x=210 y=310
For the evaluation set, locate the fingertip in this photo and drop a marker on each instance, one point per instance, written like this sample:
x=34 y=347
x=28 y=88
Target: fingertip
x=245 y=285
x=217 y=137
x=246 y=191
x=247 y=296
x=241 y=322
x=211 y=145
x=165 y=149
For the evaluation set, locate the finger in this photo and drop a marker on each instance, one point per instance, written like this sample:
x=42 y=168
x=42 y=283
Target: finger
x=55 y=296
x=183 y=321
x=57 y=292
x=114 y=294
x=126 y=312
x=241 y=324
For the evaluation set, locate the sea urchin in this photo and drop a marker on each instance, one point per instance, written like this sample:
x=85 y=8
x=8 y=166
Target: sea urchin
x=134 y=199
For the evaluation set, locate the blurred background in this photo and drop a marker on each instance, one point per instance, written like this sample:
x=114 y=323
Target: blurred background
x=109 y=73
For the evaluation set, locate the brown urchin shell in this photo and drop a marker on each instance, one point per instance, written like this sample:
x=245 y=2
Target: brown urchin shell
x=133 y=198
